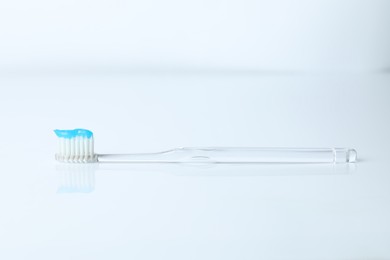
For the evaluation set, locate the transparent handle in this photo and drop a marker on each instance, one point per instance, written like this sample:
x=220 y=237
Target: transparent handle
x=238 y=155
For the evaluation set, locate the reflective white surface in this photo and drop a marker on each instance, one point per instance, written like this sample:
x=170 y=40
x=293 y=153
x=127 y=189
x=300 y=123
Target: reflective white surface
x=104 y=211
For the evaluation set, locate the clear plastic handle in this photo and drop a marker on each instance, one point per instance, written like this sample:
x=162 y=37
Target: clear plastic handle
x=238 y=155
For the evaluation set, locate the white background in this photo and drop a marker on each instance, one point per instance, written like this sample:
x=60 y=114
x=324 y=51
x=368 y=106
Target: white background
x=103 y=35
x=150 y=76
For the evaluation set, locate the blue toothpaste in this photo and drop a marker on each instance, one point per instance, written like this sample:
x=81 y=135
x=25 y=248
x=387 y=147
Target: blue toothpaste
x=73 y=133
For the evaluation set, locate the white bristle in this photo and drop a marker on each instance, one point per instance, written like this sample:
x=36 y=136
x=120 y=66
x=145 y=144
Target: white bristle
x=78 y=149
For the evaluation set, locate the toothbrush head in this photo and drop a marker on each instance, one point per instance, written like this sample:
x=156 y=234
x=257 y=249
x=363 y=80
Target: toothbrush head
x=75 y=146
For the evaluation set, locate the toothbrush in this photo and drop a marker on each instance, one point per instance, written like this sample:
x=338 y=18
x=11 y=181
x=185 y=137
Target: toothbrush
x=77 y=146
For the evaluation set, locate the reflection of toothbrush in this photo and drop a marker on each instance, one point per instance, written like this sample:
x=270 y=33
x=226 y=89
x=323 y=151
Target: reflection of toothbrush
x=74 y=178
x=76 y=146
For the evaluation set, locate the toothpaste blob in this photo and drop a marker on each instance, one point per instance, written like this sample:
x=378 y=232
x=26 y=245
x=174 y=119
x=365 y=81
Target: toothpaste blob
x=73 y=133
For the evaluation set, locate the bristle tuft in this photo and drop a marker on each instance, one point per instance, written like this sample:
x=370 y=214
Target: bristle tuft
x=78 y=149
